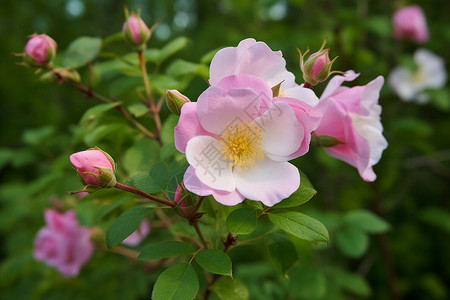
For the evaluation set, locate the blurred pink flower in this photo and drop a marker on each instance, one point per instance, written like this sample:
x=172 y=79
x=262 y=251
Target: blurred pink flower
x=238 y=141
x=352 y=115
x=91 y=164
x=410 y=24
x=137 y=236
x=62 y=243
x=40 y=49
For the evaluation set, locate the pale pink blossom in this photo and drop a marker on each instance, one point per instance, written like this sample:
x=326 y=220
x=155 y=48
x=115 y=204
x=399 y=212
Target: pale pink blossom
x=138 y=235
x=410 y=24
x=412 y=85
x=237 y=140
x=63 y=243
x=257 y=59
x=89 y=164
x=352 y=115
x=40 y=49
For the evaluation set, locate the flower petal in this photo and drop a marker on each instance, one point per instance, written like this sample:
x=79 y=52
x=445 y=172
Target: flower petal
x=268 y=182
x=337 y=81
x=303 y=94
x=281 y=133
x=203 y=153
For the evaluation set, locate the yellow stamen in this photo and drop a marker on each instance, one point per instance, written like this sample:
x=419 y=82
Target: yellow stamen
x=241 y=143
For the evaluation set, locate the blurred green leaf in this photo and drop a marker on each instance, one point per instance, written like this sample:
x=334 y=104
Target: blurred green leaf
x=299 y=225
x=214 y=261
x=126 y=224
x=168 y=129
x=153 y=182
x=165 y=249
x=282 y=252
x=242 y=221
x=227 y=288
x=138 y=109
x=352 y=241
x=96 y=111
x=140 y=156
x=37 y=136
x=302 y=195
x=179 y=282
x=436 y=216
x=82 y=51
x=352 y=283
x=379 y=25
x=173 y=47
x=366 y=221
x=181 y=67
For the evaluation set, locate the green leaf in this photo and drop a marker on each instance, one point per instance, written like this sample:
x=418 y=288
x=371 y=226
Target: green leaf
x=299 y=225
x=304 y=193
x=99 y=132
x=37 y=136
x=178 y=282
x=153 y=182
x=138 y=109
x=96 y=111
x=182 y=67
x=173 y=47
x=436 y=216
x=168 y=129
x=282 y=252
x=352 y=283
x=242 y=221
x=366 y=221
x=230 y=289
x=165 y=249
x=141 y=156
x=352 y=241
x=82 y=51
x=214 y=261
x=126 y=224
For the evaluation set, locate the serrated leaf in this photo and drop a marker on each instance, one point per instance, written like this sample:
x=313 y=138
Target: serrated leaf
x=165 y=249
x=283 y=253
x=126 y=224
x=178 y=282
x=227 y=288
x=242 y=221
x=299 y=225
x=366 y=221
x=302 y=195
x=95 y=111
x=214 y=261
x=352 y=241
x=82 y=51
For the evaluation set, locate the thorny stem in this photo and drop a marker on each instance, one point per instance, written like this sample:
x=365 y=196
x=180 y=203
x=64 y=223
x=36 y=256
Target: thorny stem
x=153 y=109
x=143 y=194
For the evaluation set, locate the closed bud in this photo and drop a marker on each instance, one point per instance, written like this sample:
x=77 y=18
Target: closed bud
x=317 y=68
x=175 y=100
x=40 y=50
x=135 y=31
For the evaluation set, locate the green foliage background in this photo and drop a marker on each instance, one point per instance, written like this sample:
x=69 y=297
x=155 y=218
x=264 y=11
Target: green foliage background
x=38 y=134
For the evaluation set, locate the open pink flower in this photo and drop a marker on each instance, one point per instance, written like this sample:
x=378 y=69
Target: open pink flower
x=257 y=59
x=410 y=24
x=62 y=243
x=352 y=115
x=237 y=142
x=92 y=164
x=138 y=235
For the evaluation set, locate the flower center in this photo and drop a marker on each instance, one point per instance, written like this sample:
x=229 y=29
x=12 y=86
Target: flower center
x=241 y=143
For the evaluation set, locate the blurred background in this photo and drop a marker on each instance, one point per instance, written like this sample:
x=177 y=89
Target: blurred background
x=410 y=261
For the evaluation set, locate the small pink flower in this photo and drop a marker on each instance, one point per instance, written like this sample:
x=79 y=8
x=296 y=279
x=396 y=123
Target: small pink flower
x=135 y=30
x=40 y=49
x=95 y=166
x=352 y=115
x=238 y=141
x=141 y=233
x=410 y=24
x=62 y=243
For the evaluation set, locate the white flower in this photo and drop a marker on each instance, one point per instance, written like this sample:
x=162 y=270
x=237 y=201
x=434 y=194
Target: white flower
x=430 y=74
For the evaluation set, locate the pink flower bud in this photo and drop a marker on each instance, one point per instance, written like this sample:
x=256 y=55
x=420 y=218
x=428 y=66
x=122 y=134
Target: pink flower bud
x=95 y=166
x=137 y=236
x=136 y=31
x=410 y=24
x=176 y=100
x=182 y=203
x=40 y=50
x=62 y=243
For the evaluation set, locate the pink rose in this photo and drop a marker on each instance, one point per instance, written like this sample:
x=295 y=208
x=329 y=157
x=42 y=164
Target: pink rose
x=135 y=30
x=352 y=115
x=137 y=236
x=95 y=166
x=238 y=141
x=410 y=23
x=62 y=243
x=40 y=49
